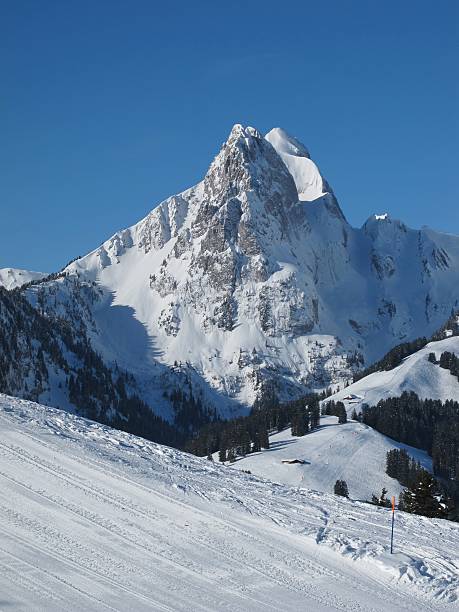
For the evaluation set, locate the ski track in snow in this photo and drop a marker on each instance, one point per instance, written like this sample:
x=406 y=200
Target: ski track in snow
x=96 y=519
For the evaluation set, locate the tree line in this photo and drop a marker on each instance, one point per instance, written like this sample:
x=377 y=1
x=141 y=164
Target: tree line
x=335 y=409
x=448 y=361
x=249 y=434
x=427 y=424
x=423 y=494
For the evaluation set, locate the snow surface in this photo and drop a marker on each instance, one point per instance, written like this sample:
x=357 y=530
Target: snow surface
x=415 y=373
x=352 y=451
x=10 y=278
x=254 y=274
x=93 y=518
x=295 y=156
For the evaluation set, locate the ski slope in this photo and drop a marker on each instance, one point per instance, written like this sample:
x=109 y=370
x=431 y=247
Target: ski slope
x=95 y=519
x=353 y=452
x=415 y=373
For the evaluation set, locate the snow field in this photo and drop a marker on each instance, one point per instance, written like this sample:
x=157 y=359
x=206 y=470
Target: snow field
x=353 y=452
x=415 y=373
x=10 y=278
x=93 y=518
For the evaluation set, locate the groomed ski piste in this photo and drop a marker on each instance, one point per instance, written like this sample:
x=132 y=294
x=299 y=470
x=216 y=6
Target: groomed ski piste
x=96 y=519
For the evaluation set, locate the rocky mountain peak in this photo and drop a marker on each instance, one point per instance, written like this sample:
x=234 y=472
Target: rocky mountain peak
x=254 y=276
x=245 y=188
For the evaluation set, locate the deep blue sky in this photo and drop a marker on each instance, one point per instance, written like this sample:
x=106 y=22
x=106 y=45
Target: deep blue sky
x=107 y=107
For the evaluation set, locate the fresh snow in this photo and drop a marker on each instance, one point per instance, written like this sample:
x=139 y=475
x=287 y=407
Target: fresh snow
x=10 y=278
x=352 y=452
x=415 y=373
x=93 y=519
x=295 y=156
x=251 y=275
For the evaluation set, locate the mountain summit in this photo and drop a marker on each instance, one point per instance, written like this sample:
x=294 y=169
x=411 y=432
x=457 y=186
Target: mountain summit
x=253 y=281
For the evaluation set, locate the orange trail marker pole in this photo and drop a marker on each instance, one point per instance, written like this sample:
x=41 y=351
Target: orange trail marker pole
x=392 y=532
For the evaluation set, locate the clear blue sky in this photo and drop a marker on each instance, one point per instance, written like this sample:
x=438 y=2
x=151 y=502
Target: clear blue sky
x=107 y=107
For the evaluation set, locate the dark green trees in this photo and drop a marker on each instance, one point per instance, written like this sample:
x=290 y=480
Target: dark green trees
x=335 y=409
x=424 y=498
x=381 y=500
x=427 y=424
x=402 y=467
x=250 y=434
x=340 y=488
x=449 y=361
x=300 y=422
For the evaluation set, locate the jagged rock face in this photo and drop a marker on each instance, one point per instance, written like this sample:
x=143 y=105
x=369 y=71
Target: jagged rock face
x=254 y=277
x=248 y=197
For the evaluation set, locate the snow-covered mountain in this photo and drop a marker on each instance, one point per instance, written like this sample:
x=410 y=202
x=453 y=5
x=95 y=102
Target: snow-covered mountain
x=253 y=278
x=416 y=373
x=10 y=278
x=92 y=518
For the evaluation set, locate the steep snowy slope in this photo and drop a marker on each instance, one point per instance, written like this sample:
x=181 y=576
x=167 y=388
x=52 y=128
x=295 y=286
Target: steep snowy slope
x=10 y=278
x=42 y=359
x=94 y=519
x=353 y=452
x=308 y=180
x=415 y=373
x=254 y=278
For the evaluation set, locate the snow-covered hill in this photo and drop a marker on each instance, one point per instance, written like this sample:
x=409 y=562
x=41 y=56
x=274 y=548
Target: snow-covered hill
x=94 y=519
x=416 y=373
x=254 y=277
x=10 y=278
x=353 y=452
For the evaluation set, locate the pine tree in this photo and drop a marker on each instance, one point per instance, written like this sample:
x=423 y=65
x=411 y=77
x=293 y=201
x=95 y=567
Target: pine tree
x=314 y=413
x=300 y=423
x=341 y=410
x=222 y=456
x=256 y=443
x=264 y=437
x=341 y=489
x=424 y=498
x=245 y=443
